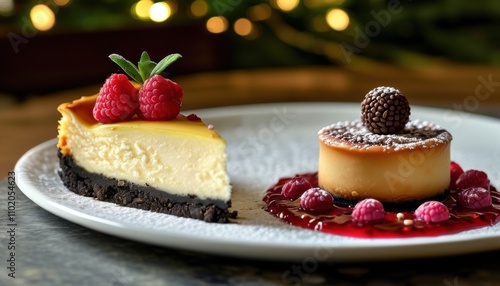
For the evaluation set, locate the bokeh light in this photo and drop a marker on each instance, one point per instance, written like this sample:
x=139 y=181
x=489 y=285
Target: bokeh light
x=217 y=24
x=42 y=17
x=245 y=28
x=141 y=9
x=337 y=19
x=159 y=12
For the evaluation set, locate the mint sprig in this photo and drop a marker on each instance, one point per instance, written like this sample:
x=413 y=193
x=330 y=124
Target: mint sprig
x=145 y=68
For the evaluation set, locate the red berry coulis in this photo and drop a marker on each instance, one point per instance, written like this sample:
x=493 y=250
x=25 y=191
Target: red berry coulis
x=338 y=221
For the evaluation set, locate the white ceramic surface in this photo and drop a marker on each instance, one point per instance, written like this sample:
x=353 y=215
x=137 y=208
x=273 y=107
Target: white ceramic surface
x=266 y=142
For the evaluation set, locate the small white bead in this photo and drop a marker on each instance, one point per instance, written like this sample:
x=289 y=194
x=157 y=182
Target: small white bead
x=408 y=222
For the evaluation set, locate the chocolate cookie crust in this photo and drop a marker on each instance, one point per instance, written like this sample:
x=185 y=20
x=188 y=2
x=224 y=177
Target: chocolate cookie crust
x=127 y=194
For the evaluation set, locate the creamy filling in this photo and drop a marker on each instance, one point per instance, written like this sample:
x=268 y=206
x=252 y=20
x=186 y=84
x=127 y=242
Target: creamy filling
x=390 y=177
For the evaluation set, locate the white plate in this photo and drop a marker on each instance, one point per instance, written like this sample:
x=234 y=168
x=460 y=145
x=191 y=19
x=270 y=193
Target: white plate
x=266 y=142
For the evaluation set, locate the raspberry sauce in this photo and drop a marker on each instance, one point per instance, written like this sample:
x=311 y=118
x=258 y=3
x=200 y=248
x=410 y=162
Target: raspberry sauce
x=338 y=221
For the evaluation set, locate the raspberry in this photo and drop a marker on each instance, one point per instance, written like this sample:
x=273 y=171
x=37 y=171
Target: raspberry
x=474 y=198
x=159 y=99
x=193 y=117
x=432 y=211
x=294 y=188
x=455 y=172
x=316 y=200
x=368 y=210
x=117 y=100
x=473 y=178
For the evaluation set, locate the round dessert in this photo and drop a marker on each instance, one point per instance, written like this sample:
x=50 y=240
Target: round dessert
x=405 y=168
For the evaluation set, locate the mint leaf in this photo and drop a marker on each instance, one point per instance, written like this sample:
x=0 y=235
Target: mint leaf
x=163 y=64
x=129 y=68
x=145 y=66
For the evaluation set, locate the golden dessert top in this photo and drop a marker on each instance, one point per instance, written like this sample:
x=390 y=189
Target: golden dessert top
x=353 y=135
x=81 y=110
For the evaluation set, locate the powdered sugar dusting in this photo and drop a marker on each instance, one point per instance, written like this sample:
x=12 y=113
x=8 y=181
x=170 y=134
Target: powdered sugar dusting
x=416 y=134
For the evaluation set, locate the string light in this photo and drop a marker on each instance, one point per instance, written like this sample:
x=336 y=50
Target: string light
x=245 y=28
x=217 y=24
x=141 y=8
x=159 y=12
x=337 y=19
x=42 y=17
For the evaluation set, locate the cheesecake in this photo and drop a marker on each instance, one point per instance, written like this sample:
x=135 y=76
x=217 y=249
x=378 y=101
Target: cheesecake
x=410 y=166
x=384 y=155
x=149 y=156
x=176 y=167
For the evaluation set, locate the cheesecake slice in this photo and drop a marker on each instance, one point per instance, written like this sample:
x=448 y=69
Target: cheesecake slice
x=176 y=167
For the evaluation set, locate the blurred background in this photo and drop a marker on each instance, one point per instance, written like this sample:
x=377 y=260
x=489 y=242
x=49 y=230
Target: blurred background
x=52 y=45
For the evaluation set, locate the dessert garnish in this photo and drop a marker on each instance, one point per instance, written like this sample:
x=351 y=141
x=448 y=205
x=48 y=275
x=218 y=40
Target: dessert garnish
x=159 y=99
x=385 y=110
x=156 y=98
x=316 y=200
x=368 y=210
x=474 y=198
x=117 y=100
x=432 y=211
x=473 y=178
x=474 y=187
x=455 y=172
x=464 y=209
x=193 y=117
x=294 y=188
